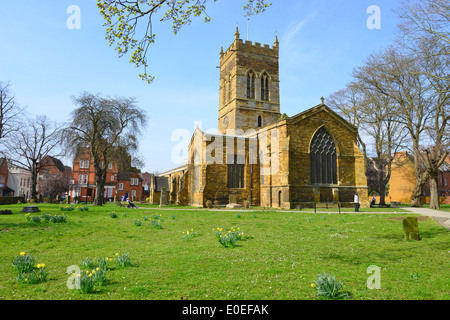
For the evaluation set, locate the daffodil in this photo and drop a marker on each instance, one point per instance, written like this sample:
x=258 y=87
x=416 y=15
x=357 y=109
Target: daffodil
x=313 y=285
x=22 y=253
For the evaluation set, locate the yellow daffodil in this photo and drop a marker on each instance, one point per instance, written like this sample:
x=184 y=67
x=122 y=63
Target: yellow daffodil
x=313 y=285
x=22 y=253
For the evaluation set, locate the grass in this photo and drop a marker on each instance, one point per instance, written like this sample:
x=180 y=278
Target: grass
x=279 y=256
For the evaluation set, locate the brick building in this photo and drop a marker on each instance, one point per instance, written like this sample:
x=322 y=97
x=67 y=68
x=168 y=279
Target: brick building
x=5 y=191
x=121 y=181
x=263 y=156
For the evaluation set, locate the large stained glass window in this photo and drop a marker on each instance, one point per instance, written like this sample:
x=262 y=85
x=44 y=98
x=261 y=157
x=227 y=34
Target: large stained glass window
x=323 y=158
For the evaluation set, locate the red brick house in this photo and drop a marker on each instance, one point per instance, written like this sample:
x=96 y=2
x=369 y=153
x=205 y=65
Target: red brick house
x=4 y=190
x=126 y=183
x=130 y=185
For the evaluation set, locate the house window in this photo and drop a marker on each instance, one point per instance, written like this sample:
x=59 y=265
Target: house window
x=120 y=186
x=259 y=122
x=86 y=179
x=265 y=87
x=236 y=175
x=80 y=178
x=110 y=166
x=323 y=157
x=133 y=193
x=112 y=178
x=84 y=164
x=251 y=77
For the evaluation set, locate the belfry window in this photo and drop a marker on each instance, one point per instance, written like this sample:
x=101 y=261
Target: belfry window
x=265 y=87
x=323 y=157
x=251 y=77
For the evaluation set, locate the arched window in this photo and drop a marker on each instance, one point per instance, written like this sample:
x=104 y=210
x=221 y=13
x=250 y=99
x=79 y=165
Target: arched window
x=197 y=163
x=259 y=122
x=323 y=158
x=251 y=77
x=265 y=87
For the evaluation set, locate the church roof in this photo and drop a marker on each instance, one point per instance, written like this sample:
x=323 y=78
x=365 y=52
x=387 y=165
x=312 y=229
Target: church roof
x=321 y=107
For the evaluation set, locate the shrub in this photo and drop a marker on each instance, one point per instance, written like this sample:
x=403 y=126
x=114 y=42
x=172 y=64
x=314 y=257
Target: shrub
x=83 y=208
x=172 y=217
x=329 y=287
x=36 y=219
x=138 y=222
x=209 y=204
x=158 y=217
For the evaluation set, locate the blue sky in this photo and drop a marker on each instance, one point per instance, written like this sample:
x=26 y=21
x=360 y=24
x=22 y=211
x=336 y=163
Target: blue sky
x=46 y=63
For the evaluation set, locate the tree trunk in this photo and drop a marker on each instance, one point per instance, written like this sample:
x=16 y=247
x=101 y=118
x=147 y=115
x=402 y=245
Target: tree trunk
x=434 y=192
x=382 y=192
x=34 y=177
x=99 y=190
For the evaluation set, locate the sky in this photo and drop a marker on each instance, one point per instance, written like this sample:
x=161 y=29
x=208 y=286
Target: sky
x=47 y=63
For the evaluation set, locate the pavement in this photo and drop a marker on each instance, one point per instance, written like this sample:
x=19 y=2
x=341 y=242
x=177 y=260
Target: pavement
x=441 y=217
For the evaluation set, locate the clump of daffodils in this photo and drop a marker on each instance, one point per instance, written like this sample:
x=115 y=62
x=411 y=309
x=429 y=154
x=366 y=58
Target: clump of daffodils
x=228 y=238
x=27 y=269
x=189 y=235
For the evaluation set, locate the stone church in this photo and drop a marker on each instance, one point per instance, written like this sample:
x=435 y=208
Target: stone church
x=262 y=157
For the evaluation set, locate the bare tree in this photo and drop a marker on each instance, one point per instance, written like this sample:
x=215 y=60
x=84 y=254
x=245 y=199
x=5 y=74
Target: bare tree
x=10 y=112
x=378 y=127
x=36 y=140
x=425 y=36
x=108 y=127
x=398 y=77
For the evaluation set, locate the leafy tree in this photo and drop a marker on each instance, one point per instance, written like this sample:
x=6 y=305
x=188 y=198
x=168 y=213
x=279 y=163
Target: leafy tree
x=123 y=19
x=108 y=128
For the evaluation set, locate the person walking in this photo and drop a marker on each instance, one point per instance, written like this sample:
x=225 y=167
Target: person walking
x=356 y=200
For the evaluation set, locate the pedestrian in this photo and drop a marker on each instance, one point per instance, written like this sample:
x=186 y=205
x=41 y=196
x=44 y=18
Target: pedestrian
x=356 y=200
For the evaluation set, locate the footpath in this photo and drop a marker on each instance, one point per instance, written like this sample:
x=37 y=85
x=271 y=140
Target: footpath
x=441 y=217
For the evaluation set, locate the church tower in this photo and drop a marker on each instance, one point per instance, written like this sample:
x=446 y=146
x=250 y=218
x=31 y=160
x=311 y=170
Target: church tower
x=249 y=86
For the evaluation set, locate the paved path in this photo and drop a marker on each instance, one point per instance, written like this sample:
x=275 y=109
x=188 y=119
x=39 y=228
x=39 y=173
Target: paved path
x=441 y=217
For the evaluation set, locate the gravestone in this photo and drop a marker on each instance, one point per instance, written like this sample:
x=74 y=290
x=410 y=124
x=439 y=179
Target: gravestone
x=411 y=228
x=30 y=209
x=162 y=202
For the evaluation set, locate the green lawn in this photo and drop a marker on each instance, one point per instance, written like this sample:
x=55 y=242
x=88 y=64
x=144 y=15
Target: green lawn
x=279 y=257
